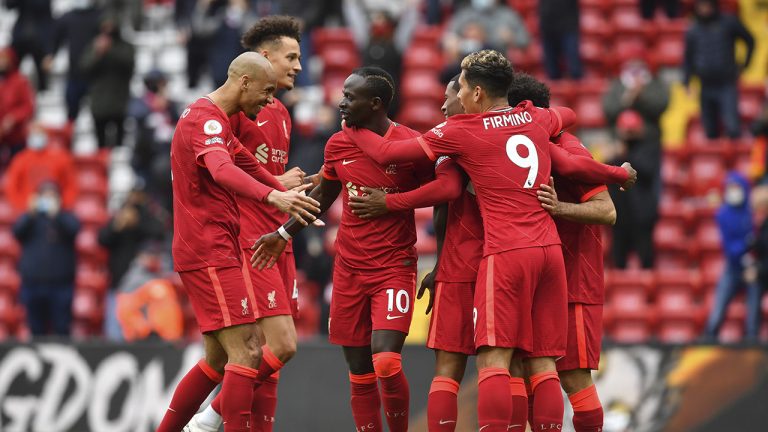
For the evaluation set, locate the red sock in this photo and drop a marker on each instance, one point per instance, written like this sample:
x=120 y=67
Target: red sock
x=196 y=385
x=442 y=406
x=395 y=393
x=519 y=404
x=236 y=397
x=587 y=410
x=529 y=393
x=366 y=405
x=494 y=406
x=548 y=401
x=265 y=396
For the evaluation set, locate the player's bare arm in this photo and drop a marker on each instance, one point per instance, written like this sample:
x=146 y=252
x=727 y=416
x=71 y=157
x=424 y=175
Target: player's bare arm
x=269 y=247
x=292 y=178
x=597 y=210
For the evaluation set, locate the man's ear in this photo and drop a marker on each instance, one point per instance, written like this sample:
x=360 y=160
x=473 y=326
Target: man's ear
x=476 y=94
x=265 y=53
x=376 y=103
x=245 y=81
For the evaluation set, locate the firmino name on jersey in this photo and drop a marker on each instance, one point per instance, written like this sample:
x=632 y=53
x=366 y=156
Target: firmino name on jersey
x=507 y=119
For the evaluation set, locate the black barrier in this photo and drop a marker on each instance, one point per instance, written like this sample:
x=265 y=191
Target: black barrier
x=100 y=387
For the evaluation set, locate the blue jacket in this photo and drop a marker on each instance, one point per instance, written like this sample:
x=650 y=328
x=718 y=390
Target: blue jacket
x=47 y=247
x=735 y=222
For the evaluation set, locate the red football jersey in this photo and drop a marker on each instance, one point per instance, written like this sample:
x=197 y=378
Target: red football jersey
x=206 y=220
x=387 y=241
x=506 y=154
x=582 y=243
x=268 y=139
x=463 y=244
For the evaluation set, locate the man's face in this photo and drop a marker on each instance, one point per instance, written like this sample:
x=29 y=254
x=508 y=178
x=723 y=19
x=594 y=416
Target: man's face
x=285 y=56
x=466 y=96
x=255 y=94
x=451 y=105
x=355 y=104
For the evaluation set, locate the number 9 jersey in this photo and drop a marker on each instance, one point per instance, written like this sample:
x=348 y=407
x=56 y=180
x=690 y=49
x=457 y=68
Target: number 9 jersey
x=506 y=153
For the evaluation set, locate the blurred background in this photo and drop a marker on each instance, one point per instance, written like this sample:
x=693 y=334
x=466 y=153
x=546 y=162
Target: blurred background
x=90 y=92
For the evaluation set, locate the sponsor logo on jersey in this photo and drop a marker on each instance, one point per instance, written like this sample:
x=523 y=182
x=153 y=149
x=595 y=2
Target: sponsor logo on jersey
x=244 y=304
x=392 y=169
x=260 y=124
x=271 y=300
x=212 y=127
x=186 y=113
x=262 y=153
x=214 y=140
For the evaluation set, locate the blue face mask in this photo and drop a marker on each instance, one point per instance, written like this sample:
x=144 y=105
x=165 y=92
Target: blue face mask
x=37 y=141
x=482 y=4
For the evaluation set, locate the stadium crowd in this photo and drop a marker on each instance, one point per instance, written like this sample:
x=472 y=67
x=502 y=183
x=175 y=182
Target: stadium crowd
x=58 y=162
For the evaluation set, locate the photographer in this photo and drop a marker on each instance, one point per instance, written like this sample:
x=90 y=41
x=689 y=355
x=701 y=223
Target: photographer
x=47 y=265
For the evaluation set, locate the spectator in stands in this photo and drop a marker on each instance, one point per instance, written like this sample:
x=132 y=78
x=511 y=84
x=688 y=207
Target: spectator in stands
x=32 y=35
x=734 y=218
x=108 y=65
x=648 y=8
x=759 y=166
x=47 y=265
x=225 y=21
x=77 y=29
x=559 y=24
x=709 y=54
x=196 y=40
x=156 y=117
x=38 y=163
x=133 y=225
x=633 y=106
x=484 y=24
x=17 y=106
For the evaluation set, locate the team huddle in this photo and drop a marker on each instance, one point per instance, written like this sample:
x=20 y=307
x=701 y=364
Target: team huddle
x=518 y=281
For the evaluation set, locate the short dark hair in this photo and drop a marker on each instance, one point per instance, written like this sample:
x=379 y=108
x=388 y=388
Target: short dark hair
x=455 y=81
x=269 y=30
x=490 y=70
x=526 y=87
x=378 y=82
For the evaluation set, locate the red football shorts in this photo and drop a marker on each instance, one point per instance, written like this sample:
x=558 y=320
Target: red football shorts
x=275 y=289
x=451 y=326
x=585 y=335
x=363 y=302
x=521 y=301
x=219 y=297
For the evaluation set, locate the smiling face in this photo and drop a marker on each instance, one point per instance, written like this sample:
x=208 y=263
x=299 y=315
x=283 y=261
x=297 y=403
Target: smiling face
x=355 y=106
x=285 y=56
x=256 y=93
x=451 y=105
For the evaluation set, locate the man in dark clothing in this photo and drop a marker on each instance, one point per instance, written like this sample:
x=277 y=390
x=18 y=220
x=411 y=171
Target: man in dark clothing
x=633 y=105
x=132 y=225
x=47 y=264
x=709 y=54
x=77 y=28
x=108 y=65
x=559 y=25
x=32 y=34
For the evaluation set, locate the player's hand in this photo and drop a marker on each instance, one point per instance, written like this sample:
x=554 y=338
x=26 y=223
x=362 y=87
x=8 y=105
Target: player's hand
x=314 y=180
x=632 y=177
x=547 y=195
x=428 y=283
x=292 y=178
x=371 y=205
x=267 y=250
x=295 y=203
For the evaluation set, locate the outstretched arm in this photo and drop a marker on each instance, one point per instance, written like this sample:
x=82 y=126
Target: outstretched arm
x=388 y=151
x=587 y=170
x=248 y=163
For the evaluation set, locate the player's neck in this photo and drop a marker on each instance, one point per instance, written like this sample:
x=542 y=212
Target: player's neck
x=379 y=125
x=494 y=104
x=227 y=104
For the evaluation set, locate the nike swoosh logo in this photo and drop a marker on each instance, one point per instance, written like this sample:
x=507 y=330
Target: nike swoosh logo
x=260 y=124
x=442 y=422
x=346 y=162
x=394 y=317
x=483 y=428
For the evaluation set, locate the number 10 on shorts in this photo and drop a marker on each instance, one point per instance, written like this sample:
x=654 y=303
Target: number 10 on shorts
x=401 y=300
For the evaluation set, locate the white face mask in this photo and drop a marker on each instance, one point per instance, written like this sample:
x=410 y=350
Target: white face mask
x=37 y=141
x=734 y=196
x=482 y=4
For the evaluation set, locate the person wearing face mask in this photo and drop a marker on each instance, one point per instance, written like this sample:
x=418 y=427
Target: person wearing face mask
x=47 y=264
x=108 y=65
x=710 y=55
x=734 y=218
x=633 y=106
x=17 y=106
x=39 y=162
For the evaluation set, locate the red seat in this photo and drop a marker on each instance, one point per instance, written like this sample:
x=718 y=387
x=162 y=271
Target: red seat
x=751 y=105
x=638 y=280
x=9 y=311
x=711 y=269
x=529 y=59
x=422 y=86
x=668 y=51
x=670 y=235
x=590 y=112
x=88 y=247
x=708 y=237
x=96 y=161
x=678 y=280
x=92 y=182
x=423 y=57
x=9 y=247
x=91 y=281
x=627 y=20
x=339 y=59
x=427 y=35
x=678 y=330
x=421 y=115
x=706 y=174
x=8 y=214
x=425 y=242
x=596 y=62
x=603 y=6
x=91 y=211
x=594 y=23
x=87 y=307
x=629 y=48
x=9 y=279
x=325 y=37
